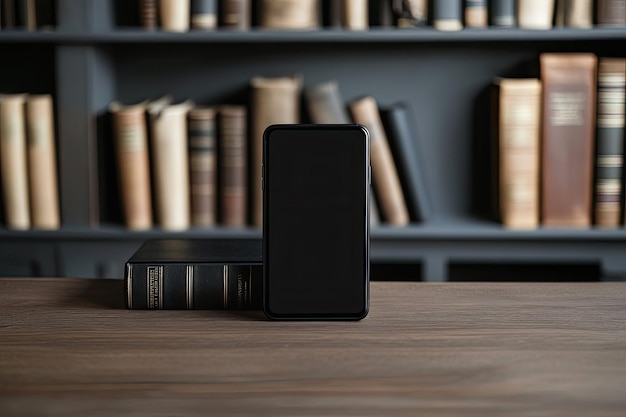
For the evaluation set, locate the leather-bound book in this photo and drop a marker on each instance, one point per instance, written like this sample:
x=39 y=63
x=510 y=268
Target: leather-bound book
x=355 y=14
x=535 y=14
x=518 y=128
x=384 y=174
x=42 y=163
x=202 y=166
x=503 y=13
x=235 y=14
x=175 y=15
x=234 y=165
x=476 y=13
x=611 y=13
x=447 y=15
x=569 y=96
x=325 y=104
x=610 y=141
x=274 y=101
x=170 y=163
x=148 y=14
x=290 y=14
x=203 y=14
x=13 y=161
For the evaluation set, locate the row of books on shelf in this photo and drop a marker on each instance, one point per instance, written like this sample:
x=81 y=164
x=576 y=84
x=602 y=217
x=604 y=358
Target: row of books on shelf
x=181 y=165
x=27 y=14
x=183 y=15
x=28 y=166
x=560 y=142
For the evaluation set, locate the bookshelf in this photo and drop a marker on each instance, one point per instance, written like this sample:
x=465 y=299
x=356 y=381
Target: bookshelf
x=94 y=56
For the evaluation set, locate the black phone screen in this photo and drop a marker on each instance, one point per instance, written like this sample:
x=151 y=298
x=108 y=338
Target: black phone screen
x=316 y=221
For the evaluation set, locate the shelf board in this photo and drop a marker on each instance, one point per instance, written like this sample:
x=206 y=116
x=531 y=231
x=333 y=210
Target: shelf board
x=374 y=35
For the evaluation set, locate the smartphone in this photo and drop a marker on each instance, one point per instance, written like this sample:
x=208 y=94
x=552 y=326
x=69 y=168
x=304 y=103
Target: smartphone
x=316 y=191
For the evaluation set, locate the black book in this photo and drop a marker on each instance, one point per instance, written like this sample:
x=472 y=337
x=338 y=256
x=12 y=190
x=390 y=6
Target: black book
x=179 y=274
x=8 y=13
x=203 y=14
x=400 y=130
x=380 y=13
x=503 y=13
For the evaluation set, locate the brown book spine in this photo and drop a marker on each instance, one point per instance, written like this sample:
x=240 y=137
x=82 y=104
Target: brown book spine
x=8 y=11
x=535 y=14
x=385 y=176
x=290 y=14
x=234 y=165
x=175 y=15
x=476 y=13
x=148 y=14
x=355 y=14
x=203 y=167
x=325 y=104
x=610 y=141
x=612 y=13
x=42 y=165
x=569 y=89
x=235 y=14
x=13 y=161
x=519 y=115
x=274 y=101
x=131 y=148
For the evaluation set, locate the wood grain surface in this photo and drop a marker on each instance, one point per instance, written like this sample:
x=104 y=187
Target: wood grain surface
x=67 y=348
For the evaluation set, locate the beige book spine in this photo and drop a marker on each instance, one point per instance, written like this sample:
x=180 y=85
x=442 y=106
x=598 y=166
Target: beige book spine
x=385 y=176
x=131 y=146
x=175 y=15
x=355 y=14
x=290 y=14
x=13 y=161
x=170 y=165
x=274 y=101
x=579 y=14
x=518 y=133
x=42 y=165
x=535 y=14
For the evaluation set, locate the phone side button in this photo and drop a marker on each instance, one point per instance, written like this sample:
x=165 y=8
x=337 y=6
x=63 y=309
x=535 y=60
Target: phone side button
x=369 y=174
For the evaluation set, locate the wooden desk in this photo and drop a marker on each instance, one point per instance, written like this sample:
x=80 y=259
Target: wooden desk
x=67 y=348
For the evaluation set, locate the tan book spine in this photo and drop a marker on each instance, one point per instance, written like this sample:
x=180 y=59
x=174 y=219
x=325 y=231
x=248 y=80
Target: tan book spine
x=203 y=166
x=131 y=149
x=31 y=15
x=535 y=14
x=235 y=14
x=476 y=13
x=385 y=176
x=355 y=14
x=290 y=14
x=569 y=91
x=170 y=164
x=13 y=161
x=579 y=14
x=42 y=164
x=175 y=15
x=612 y=13
x=234 y=165
x=274 y=101
x=519 y=126
x=148 y=14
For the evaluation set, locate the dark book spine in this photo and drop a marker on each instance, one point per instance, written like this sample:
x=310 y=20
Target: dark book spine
x=403 y=142
x=476 y=13
x=380 y=13
x=195 y=286
x=325 y=104
x=203 y=14
x=26 y=14
x=503 y=13
x=235 y=14
x=202 y=166
x=233 y=165
x=8 y=13
x=610 y=141
x=332 y=13
x=447 y=14
x=612 y=13
x=148 y=14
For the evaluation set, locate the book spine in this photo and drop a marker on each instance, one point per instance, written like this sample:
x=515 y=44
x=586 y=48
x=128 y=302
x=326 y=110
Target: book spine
x=290 y=14
x=13 y=161
x=235 y=14
x=503 y=13
x=519 y=116
x=174 y=15
x=476 y=13
x=131 y=147
x=380 y=13
x=325 y=104
x=332 y=11
x=579 y=14
x=611 y=13
x=385 y=176
x=44 y=195
x=569 y=87
x=148 y=14
x=234 y=165
x=197 y=286
x=610 y=141
x=355 y=14
x=27 y=14
x=8 y=11
x=417 y=11
x=274 y=101
x=447 y=15
x=202 y=167
x=170 y=166
x=535 y=14
x=204 y=14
